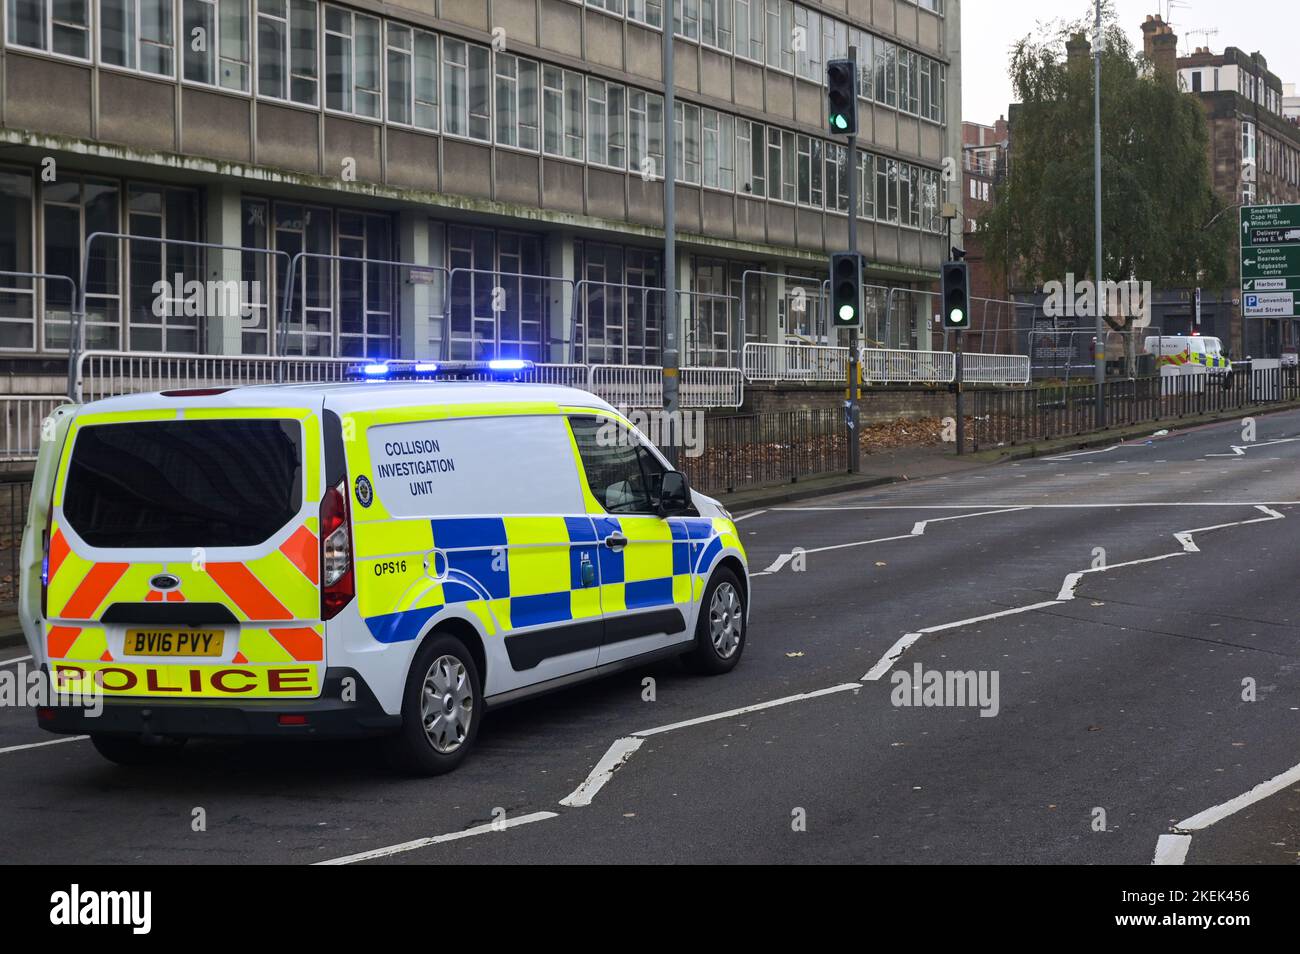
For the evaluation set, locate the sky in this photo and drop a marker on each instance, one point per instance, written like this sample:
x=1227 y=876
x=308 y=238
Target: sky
x=990 y=27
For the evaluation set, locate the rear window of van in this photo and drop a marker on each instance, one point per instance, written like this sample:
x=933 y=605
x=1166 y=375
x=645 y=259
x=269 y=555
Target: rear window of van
x=211 y=483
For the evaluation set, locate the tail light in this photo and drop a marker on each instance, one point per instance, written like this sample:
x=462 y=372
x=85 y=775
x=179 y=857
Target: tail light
x=337 y=587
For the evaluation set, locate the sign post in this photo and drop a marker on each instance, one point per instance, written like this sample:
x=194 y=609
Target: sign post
x=1270 y=262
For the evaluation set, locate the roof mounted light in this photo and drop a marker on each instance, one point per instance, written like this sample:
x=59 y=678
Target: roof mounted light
x=509 y=364
x=377 y=370
x=495 y=369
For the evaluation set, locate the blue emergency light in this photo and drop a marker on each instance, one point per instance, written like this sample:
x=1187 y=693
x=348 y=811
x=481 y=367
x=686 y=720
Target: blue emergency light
x=501 y=369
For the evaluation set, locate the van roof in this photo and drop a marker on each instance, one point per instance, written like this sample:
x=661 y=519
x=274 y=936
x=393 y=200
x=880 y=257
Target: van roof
x=348 y=396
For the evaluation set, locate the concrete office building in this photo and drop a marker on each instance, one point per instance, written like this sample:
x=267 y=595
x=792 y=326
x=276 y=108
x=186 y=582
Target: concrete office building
x=509 y=139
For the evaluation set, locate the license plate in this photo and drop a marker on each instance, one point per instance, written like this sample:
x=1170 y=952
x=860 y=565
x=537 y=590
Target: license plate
x=173 y=642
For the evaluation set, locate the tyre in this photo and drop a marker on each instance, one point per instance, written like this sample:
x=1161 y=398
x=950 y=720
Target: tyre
x=441 y=709
x=720 y=629
x=132 y=751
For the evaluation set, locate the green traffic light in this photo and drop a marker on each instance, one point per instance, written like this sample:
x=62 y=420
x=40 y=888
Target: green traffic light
x=847 y=313
x=840 y=121
x=956 y=317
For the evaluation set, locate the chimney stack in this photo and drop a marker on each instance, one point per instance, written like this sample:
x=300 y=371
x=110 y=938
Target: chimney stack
x=1078 y=51
x=1160 y=44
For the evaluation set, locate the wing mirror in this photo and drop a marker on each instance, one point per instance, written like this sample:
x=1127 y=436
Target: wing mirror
x=674 y=494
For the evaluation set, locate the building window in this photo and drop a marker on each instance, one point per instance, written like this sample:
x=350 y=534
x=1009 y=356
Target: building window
x=215 y=48
x=367 y=293
x=606 y=124
x=620 y=314
x=18 y=296
x=562 y=110
x=614 y=7
x=56 y=26
x=301 y=228
x=137 y=34
x=750 y=158
x=516 y=104
x=686 y=18
x=749 y=29
x=352 y=59
x=467 y=90
x=159 y=317
x=649 y=12
x=486 y=325
x=412 y=60
x=687 y=126
x=1247 y=142
x=719 y=150
x=866 y=193
x=256 y=271
x=72 y=209
x=778 y=18
x=646 y=133
x=286 y=50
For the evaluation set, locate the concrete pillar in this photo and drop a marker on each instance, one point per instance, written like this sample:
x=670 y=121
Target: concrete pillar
x=421 y=291
x=224 y=227
x=561 y=330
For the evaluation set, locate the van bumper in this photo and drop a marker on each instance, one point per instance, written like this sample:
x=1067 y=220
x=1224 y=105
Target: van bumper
x=327 y=716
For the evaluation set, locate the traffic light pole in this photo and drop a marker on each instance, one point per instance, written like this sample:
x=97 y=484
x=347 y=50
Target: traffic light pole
x=853 y=414
x=961 y=410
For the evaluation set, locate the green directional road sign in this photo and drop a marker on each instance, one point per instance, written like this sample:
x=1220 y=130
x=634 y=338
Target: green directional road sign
x=1270 y=260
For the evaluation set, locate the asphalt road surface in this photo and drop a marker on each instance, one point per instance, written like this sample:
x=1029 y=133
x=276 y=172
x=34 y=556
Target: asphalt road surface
x=1135 y=608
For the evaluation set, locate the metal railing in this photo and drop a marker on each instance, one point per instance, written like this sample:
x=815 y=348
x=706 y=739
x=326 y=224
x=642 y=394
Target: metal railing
x=15 y=492
x=1047 y=411
x=795 y=362
x=711 y=387
x=752 y=450
x=995 y=368
x=542 y=286
x=21 y=420
x=880 y=366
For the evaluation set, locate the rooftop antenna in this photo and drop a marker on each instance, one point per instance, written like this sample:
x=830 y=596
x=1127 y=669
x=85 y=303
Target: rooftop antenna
x=1206 y=32
x=1169 y=9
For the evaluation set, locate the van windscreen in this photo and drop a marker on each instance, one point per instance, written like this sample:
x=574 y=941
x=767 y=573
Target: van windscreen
x=211 y=483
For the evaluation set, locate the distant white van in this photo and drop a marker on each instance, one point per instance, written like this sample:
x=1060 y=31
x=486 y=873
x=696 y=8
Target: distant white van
x=1188 y=354
x=387 y=558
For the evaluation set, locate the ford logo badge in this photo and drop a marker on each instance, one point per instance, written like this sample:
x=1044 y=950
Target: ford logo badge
x=165 y=581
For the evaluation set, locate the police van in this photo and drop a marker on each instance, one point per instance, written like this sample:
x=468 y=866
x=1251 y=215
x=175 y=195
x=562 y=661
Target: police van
x=1188 y=354
x=388 y=558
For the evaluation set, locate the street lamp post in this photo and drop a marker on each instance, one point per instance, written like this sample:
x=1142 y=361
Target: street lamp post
x=1099 y=351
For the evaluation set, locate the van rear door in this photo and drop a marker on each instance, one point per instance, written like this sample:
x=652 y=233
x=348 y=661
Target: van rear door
x=183 y=555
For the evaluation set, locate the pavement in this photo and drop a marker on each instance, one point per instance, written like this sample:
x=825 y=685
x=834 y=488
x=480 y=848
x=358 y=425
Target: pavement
x=1125 y=617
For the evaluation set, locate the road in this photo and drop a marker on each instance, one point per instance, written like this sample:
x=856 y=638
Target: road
x=1137 y=606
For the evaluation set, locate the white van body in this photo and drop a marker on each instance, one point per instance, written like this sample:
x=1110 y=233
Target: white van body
x=218 y=560
x=1188 y=354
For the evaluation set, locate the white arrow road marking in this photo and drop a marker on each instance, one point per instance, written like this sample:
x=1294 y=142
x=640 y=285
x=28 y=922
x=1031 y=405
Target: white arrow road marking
x=1239 y=450
x=487 y=829
x=1172 y=849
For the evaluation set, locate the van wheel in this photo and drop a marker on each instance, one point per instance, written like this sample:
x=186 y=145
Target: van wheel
x=720 y=629
x=441 y=709
x=132 y=751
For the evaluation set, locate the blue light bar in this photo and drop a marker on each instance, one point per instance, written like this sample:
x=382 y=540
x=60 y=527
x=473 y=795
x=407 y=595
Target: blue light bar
x=426 y=367
x=375 y=370
x=509 y=364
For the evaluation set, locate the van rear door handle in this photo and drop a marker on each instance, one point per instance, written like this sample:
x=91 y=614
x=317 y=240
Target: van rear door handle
x=616 y=541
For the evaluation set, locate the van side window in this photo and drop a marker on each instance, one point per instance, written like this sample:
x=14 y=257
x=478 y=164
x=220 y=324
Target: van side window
x=622 y=474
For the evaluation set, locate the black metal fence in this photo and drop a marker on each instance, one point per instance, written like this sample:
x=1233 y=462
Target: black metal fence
x=1043 y=412
x=754 y=450
x=15 y=491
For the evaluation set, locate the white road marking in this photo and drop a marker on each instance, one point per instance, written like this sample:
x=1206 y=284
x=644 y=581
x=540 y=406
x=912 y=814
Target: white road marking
x=886 y=662
x=1239 y=450
x=757 y=707
x=610 y=763
x=16 y=659
x=1261 y=791
x=41 y=745
x=1172 y=849
x=487 y=829
x=1064 y=595
x=1074 y=506
x=746 y=516
x=918 y=530
x=1085 y=453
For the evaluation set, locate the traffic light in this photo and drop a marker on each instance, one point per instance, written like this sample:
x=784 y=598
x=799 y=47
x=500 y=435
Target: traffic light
x=956 y=297
x=846 y=289
x=842 y=97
